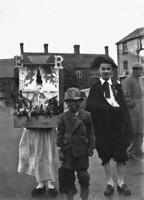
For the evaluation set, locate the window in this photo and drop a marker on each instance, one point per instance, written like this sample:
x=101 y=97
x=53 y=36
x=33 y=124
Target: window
x=125 y=49
x=2 y=89
x=142 y=43
x=79 y=73
x=125 y=65
x=94 y=74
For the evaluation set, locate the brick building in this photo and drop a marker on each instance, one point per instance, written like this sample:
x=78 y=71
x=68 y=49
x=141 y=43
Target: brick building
x=130 y=49
x=6 y=79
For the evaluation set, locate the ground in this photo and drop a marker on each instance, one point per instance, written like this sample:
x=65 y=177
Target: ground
x=15 y=186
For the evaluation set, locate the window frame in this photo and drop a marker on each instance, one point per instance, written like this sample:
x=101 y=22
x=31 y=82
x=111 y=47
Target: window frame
x=94 y=74
x=125 y=64
x=125 y=48
x=79 y=73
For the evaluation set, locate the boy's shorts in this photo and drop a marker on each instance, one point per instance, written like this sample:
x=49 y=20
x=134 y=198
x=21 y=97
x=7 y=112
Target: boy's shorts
x=108 y=148
x=75 y=163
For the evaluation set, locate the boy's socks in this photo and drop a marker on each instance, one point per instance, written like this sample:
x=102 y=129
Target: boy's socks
x=110 y=182
x=40 y=185
x=120 y=182
x=50 y=184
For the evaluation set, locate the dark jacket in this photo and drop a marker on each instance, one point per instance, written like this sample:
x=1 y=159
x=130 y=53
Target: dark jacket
x=100 y=109
x=77 y=134
x=134 y=98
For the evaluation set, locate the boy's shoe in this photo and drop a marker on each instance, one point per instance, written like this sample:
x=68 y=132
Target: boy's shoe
x=109 y=190
x=132 y=156
x=52 y=192
x=124 y=190
x=51 y=188
x=69 y=196
x=38 y=191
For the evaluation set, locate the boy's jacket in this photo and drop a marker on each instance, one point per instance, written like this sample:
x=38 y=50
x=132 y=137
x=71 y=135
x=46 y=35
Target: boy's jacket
x=77 y=134
x=100 y=109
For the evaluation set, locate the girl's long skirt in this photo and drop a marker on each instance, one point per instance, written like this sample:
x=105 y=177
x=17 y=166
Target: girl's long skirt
x=38 y=154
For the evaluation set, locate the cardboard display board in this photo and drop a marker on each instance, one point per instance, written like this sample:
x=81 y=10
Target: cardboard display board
x=37 y=105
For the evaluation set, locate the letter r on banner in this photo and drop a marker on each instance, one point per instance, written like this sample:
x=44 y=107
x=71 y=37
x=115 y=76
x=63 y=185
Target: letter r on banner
x=58 y=61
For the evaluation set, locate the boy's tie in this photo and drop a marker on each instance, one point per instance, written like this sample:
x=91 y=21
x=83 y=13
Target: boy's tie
x=106 y=89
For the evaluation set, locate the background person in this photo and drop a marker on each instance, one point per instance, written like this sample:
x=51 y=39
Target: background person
x=134 y=95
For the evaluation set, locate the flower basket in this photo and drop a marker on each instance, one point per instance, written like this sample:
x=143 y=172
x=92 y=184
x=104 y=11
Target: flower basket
x=35 y=122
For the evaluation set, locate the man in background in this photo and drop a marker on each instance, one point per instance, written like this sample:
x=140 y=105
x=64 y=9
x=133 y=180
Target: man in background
x=133 y=91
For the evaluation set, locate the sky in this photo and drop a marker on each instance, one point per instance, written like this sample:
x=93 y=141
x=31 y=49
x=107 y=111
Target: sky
x=92 y=24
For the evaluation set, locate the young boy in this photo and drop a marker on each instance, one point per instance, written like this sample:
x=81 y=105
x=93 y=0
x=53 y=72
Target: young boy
x=75 y=141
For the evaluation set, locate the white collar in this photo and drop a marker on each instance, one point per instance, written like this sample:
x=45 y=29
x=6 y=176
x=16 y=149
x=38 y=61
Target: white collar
x=77 y=113
x=102 y=81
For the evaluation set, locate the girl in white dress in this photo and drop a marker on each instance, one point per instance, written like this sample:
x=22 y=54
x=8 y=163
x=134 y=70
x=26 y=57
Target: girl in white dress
x=38 y=157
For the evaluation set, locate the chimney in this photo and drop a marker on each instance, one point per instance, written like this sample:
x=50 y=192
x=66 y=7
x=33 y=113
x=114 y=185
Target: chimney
x=45 y=48
x=106 y=51
x=21 y=48
x=76 y=49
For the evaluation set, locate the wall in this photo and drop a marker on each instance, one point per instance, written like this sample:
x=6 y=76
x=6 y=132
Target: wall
x=7 y=88
x=131 y=56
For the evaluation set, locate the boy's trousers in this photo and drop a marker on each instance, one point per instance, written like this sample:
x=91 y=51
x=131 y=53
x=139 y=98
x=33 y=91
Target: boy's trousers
x=67 y=174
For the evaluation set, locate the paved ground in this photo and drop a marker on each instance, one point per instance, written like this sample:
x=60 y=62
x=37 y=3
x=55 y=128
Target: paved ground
x=15 y=186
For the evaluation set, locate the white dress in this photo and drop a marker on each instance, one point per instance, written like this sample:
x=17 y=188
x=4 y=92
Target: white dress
x=38 y=154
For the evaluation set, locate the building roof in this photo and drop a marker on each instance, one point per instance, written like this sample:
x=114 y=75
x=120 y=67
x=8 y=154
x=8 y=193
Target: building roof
x=70 y=59
x=29 y=58
x=78 y=61
x=7 y=68
x=139 y=32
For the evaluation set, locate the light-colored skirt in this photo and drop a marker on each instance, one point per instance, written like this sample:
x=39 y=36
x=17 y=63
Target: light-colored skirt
x=38 y=154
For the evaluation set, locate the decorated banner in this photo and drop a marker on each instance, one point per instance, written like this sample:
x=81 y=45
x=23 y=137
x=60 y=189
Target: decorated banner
x=37 y=105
